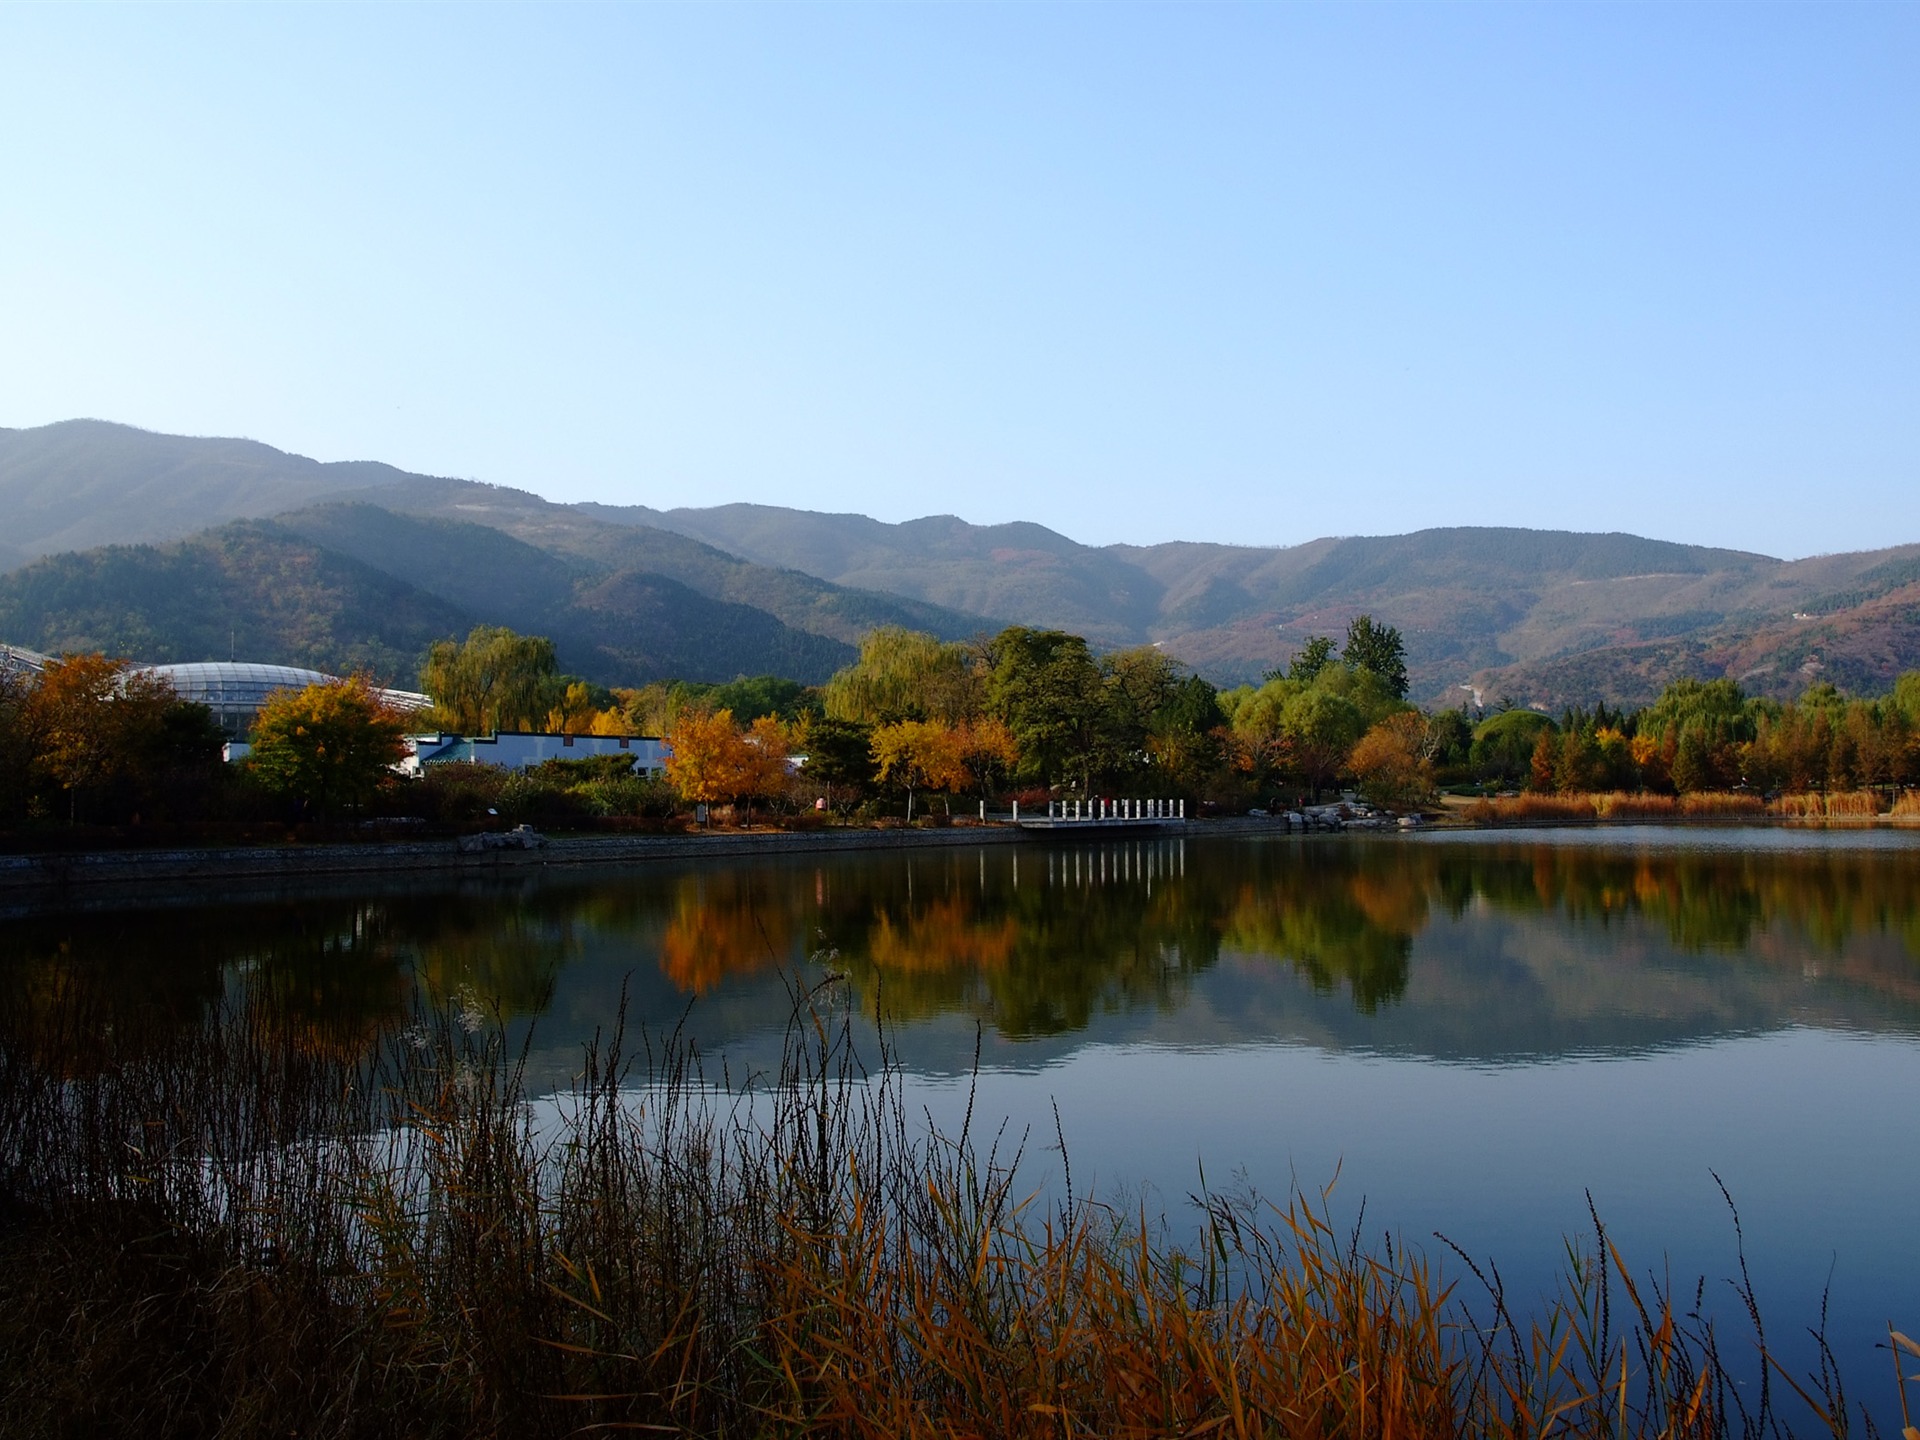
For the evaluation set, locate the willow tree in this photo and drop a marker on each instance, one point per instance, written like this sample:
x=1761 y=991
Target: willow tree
x=495 y=679
x=906 y=675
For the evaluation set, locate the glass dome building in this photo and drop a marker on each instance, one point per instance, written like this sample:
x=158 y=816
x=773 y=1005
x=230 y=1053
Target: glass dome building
x=22 y=660
x=236 y=689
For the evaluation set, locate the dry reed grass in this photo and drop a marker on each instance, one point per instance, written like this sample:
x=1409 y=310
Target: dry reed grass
x=1614 y=805
x=219 y=1233
x=1834 y=805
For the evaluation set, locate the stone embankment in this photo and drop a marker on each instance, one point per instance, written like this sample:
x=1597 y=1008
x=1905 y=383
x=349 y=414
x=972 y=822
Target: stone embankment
x=1341 y=816
x=118 y=877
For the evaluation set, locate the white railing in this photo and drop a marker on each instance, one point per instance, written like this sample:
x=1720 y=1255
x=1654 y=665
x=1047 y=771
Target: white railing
x=1095 y=812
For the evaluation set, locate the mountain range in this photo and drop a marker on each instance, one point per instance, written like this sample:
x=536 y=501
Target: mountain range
x=175 y=548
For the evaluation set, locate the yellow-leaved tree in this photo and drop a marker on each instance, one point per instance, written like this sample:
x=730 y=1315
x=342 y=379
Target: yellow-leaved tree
x=327 y=747
x=711 y=761
x=920 y=755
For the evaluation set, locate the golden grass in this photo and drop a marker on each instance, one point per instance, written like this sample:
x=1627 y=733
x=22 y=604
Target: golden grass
x=1615 y=805
x=1830 y=805
x=222 y=1234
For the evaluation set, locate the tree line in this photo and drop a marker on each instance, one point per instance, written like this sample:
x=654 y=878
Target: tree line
x=914 y=722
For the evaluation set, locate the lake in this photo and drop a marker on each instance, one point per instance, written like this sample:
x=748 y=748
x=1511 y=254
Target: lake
x=1474 y=1031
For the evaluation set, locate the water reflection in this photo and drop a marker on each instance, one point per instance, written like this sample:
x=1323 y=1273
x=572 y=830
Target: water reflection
x=1512 y=948
x=1474 y=1033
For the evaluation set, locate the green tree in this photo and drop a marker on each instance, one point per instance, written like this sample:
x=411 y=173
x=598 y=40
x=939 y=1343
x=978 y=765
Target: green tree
x=1312 y=658
x=839 y=760
x=327 y=747
x=1503 y=745
x=1052 y=696
x=1693 y=767
x=1378 y=648
x=905 y=675
x=1319 y=728
x=495 y=679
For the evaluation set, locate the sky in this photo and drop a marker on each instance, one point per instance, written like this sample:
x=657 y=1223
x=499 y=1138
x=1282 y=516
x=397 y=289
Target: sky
x=1246 y=273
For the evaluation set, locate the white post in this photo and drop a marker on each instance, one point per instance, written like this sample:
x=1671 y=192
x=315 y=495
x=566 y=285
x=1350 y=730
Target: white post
x=1183 y=807
x=1016 y=812
x=983 y=809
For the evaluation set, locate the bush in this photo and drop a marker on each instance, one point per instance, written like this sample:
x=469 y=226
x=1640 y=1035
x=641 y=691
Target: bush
x=457 y=793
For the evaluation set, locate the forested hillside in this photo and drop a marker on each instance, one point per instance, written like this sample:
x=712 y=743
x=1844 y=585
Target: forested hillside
x=249 y=590
x=1542 y=616
x=1537 y=617
x=261 y=590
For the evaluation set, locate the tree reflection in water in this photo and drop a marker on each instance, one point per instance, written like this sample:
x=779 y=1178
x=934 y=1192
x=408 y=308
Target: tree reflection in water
x=1034 y=942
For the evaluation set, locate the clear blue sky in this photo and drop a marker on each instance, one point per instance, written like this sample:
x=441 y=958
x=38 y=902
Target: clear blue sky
x=1250 y=273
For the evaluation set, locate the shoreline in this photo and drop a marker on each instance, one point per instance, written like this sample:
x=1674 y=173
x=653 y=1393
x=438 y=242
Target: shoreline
x=63 y=880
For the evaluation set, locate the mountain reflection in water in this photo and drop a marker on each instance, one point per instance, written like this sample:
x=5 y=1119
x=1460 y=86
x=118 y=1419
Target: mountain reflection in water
x=1508 y=949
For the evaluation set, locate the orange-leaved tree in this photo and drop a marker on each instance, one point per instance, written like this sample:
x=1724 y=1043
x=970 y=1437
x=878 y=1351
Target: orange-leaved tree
x=89 y=721
x=1391 y=763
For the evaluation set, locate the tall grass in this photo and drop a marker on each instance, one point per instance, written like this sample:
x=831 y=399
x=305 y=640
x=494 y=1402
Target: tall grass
x=1831 y=805
x=232 y=1232
x=1532 y=809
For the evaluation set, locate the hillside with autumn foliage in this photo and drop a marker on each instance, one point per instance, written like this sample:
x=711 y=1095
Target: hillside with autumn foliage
x=632 y=593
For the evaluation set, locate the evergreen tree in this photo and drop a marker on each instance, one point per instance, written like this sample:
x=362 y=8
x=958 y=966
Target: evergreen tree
x=1378 y=648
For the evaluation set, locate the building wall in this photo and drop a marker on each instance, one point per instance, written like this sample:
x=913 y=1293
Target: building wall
x=514 y=750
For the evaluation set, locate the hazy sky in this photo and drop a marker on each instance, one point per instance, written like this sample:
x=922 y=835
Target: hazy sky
x=1252 y=273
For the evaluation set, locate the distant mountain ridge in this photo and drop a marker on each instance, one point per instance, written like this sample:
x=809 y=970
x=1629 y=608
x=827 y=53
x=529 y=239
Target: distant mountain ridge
x=1546 y=617
x=82 y=483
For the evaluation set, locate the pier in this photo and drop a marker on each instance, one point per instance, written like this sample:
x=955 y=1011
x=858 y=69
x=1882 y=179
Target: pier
x=1133 y=813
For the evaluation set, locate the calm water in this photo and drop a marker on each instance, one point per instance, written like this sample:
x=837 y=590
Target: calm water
x=1473 y=1031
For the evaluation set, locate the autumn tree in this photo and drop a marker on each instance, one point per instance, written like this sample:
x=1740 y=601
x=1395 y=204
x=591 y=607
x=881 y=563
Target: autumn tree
x=707 y=760
x=919 y=755
x=327 y=747
x=767 y=769
x=987 y=751
x=90 y=721
x=1391 y=763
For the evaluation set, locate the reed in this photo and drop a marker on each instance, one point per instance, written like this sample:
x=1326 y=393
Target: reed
x=1615 y=805
x=231 y=1232
x=1815 y=806
x=1722 y=804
